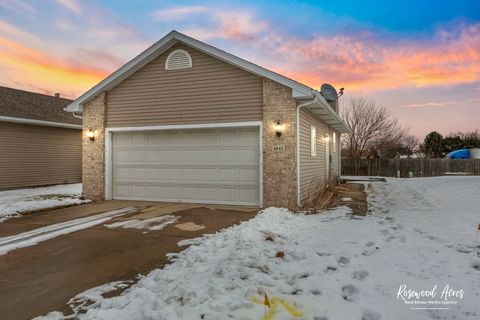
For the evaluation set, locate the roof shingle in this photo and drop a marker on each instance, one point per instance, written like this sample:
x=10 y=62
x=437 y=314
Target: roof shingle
x=31 y=105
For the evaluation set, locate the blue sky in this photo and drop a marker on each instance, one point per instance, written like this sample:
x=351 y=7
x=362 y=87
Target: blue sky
x=420 y=58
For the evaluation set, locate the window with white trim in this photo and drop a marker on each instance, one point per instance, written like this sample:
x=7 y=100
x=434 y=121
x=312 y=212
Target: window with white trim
x=334 y=141
x=313 y=141
x=178 y=59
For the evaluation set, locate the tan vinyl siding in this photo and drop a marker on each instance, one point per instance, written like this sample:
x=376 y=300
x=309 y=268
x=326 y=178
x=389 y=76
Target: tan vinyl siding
x=210 y=91
x=312 y=169
x=38 y=155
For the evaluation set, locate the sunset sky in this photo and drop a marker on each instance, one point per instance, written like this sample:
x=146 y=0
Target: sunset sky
x=420 y=58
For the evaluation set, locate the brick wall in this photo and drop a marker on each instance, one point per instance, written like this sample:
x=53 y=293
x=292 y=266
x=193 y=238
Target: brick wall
x=279 y=167
x=93 y=155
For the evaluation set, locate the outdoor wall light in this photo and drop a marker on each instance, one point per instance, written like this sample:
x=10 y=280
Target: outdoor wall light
x=278 y=129
x=327 y=137
x=91 y=134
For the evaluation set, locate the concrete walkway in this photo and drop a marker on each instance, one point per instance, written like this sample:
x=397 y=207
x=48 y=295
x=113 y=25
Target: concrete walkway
x=40 y=278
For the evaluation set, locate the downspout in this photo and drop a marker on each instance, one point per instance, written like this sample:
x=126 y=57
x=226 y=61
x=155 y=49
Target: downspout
x=314 y=100
x=77 y=116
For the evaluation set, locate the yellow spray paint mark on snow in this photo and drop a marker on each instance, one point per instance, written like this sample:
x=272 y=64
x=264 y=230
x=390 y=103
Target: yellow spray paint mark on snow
x=275 y=303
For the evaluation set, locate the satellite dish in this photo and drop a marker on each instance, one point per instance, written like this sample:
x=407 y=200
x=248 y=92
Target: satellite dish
x=329 y=92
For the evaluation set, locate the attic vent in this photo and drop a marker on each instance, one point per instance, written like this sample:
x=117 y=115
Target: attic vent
x=178 y=59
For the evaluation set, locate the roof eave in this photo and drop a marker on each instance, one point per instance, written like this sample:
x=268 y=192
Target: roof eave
x=299 y=91
x=324 y=111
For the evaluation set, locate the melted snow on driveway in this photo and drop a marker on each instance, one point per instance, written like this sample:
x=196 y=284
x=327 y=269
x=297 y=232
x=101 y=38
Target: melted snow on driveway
x=419 y=234
x=13 y=202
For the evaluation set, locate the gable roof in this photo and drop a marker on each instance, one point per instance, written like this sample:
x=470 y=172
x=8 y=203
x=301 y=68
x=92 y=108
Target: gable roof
x=20 y=104
x=299 y=91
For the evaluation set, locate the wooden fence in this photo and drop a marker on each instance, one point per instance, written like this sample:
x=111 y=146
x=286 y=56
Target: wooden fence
x=418 y=167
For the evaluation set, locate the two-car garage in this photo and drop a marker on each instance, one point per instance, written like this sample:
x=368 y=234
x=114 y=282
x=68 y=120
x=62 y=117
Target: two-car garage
x=193 y=165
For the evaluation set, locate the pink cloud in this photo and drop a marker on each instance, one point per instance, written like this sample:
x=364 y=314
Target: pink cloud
x=87 y=49
x=358 y=61
x=72 y=5
x=17 y=6
x=178 y=13
x=239 y=25
x=440 y=104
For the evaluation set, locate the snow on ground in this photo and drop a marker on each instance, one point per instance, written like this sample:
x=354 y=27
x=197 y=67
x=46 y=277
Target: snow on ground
x=35 y=236
x=13 y=202
x=419 y=234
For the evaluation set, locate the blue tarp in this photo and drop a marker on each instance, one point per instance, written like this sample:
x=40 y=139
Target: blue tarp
x=459 y=154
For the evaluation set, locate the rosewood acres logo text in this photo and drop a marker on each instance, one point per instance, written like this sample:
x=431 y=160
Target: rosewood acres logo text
x=430 y=299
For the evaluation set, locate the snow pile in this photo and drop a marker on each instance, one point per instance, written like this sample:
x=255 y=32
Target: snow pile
x=150 y=224
x=13 y=202
x=419 y=234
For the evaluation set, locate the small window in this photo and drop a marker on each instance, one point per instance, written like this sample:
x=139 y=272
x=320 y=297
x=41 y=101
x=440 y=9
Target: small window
x=178 y=59
x=334 y=141
x=313 y=141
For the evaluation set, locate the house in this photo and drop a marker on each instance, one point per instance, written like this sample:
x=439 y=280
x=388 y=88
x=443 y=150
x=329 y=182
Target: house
x=187 y=122
x=40 y=143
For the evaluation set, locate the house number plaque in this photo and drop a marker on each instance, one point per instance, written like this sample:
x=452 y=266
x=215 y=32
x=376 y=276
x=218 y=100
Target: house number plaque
x=279 y=148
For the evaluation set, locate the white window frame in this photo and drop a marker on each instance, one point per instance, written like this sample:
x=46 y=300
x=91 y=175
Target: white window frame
x=313 y=141
x=334 y=141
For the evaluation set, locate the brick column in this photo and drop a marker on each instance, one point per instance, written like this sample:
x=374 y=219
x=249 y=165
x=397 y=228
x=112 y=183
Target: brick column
x=279 y=167
x=93 y=152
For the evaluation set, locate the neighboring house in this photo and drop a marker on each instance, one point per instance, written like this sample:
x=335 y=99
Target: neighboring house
x=40 y=143
x=187 y=122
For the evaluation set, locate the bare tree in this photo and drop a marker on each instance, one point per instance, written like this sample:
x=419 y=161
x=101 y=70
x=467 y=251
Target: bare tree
x=410 y=142
x=372 y=126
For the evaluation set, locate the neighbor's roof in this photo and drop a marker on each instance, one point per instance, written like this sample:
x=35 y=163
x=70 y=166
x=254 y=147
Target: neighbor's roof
x=299 y=91
x=40 y=108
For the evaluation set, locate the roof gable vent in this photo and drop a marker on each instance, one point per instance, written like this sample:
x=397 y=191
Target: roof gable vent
x=178 y=59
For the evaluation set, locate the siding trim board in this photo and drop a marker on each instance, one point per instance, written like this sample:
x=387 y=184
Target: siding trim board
x=40 y=122
x=109 y=144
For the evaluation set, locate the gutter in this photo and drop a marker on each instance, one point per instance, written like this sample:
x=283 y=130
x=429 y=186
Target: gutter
x=40 y=122
x=314 y=100
x=326 y=106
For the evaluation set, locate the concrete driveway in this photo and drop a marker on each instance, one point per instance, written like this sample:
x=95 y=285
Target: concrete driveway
x=40 y=278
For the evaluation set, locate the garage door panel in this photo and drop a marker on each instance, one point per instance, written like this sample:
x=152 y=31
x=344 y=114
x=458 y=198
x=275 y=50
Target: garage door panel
x=248 y=195
x=130 y=156
x=248 y=175
x=163 y=138
x=228 y=155
x=228 y=194
x=122 y=173
x=246 y=137
x=248 y=155
x=161 y=156
x=138 y=191
x=121 y=191
x=138 y=174
x=199 y=174
x=207 y=165
x=228 y=137
x=199 y=193
x=163 y=192
x=228 y=174
x=199 y=155
x=192 y=138
x=139 y=139
x=164 y=174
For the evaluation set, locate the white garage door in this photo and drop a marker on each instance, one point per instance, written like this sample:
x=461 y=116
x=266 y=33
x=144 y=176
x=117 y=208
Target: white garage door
x=198 y=166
